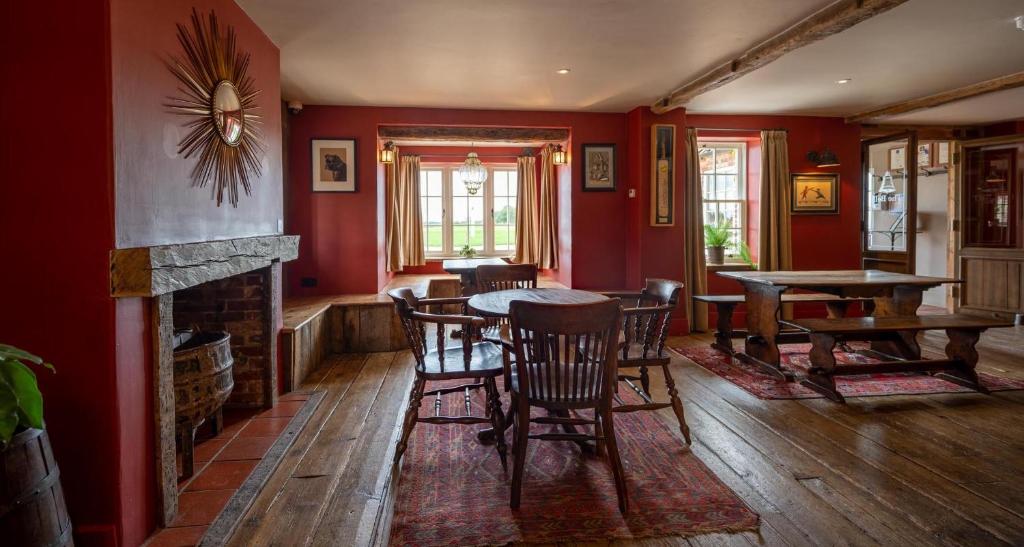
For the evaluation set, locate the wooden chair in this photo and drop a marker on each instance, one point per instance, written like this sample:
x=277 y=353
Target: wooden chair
x=565 y=361
x=503 y=278
x=647 y=316
x=477 y=362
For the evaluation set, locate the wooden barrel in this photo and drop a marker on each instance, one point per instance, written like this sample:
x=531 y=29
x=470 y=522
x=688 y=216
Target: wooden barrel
x=32 y=509
x=202 y=376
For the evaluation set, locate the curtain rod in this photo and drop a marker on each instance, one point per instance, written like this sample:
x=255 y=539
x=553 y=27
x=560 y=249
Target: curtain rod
x=738 y=129
x=463 y=155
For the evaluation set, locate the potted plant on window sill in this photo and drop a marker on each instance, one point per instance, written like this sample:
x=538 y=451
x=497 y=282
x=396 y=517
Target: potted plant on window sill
x=716 y=238
x=29 y=479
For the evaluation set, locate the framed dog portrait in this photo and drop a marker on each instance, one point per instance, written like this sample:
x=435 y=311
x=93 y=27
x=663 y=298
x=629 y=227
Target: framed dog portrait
x=334 y=165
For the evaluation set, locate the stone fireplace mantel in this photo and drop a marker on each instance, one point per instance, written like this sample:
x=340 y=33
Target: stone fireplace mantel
x=161 y=269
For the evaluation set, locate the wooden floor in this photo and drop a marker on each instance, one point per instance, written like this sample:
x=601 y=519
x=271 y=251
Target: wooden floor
x=902 y=470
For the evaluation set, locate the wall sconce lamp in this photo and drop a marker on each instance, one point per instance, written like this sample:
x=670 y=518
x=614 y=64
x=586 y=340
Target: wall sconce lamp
x=558 y=155
x=826 y=158
x=387 y=154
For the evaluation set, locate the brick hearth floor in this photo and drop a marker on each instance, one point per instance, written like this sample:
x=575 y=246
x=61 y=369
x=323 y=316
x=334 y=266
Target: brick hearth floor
x=222 y=464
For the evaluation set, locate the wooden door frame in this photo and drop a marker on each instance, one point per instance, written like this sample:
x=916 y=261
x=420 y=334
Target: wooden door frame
x=910 y=201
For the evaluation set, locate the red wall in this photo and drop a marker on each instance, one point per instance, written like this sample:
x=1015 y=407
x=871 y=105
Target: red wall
x=58 y=227
x=342 y=236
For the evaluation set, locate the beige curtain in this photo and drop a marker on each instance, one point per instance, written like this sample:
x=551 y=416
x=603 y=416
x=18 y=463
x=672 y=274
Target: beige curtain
x=393 y=228
x=696 y=282
x=548 y=215
x=775 y=246
x=527 y=243
x=404 y=241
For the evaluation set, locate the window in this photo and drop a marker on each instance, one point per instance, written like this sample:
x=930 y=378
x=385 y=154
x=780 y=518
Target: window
x=453 y=218
x=723 y=180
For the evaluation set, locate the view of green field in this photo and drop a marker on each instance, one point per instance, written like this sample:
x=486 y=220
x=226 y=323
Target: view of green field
x=503 y=237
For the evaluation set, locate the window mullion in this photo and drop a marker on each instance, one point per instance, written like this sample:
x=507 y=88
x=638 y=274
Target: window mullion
x=446 y=215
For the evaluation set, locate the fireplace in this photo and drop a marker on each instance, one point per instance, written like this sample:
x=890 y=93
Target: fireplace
x=230 y=285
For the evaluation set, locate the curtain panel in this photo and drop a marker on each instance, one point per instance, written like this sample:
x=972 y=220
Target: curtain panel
x=548 y=215
x=696 y=272
x=404 y=239
x=527 y=242
x=775 y=245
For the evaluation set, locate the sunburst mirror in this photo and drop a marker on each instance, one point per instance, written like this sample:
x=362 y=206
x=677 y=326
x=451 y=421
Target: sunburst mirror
x=221 y=99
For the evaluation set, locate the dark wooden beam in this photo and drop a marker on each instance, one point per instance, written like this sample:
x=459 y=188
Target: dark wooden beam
x=925 y=132
x=477 y=134
x=832 y=19
x=958 y=94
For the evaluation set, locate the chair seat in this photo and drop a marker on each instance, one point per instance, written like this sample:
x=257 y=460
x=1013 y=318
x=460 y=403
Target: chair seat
x=486 y=361
x=499 y=334
x=582 y=386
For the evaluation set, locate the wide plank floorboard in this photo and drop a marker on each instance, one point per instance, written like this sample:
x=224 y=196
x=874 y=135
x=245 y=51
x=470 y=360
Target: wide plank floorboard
x=945 y=469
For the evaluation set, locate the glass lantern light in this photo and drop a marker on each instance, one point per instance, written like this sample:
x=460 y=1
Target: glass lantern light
x=558 y=155
x=473 y=173
x=387 y=154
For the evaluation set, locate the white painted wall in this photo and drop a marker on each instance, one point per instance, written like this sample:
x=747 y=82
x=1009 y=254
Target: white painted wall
x=933 y=240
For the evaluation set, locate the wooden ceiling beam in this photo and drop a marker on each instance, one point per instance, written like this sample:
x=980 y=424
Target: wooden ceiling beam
x=988 y=86
x=830 y=20
x=472 y=134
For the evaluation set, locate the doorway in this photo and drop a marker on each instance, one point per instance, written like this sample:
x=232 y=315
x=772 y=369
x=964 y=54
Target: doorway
x=889 y=208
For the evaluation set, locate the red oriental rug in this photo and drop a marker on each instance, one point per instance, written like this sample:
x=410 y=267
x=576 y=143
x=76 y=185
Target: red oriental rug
x=794 y=356
x=452 y=490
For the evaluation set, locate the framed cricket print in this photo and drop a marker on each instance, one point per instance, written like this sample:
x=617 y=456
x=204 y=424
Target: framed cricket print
x=814 y=194
x=334 y=165
x=663 y=175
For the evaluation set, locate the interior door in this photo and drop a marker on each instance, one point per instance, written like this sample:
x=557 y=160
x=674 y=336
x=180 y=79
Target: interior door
x=889 y=203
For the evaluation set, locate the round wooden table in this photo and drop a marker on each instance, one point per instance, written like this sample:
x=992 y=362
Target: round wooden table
x=496 y=304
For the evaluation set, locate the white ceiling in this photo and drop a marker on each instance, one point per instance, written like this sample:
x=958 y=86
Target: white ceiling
x=503 y=54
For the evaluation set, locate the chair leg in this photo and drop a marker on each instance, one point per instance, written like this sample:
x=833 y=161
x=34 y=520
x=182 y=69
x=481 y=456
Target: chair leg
x=522 y=432
x=645 y=381
x=677 y=404
x=599 y=447
x=497 y=421
x=613 y=458
x=411 y=415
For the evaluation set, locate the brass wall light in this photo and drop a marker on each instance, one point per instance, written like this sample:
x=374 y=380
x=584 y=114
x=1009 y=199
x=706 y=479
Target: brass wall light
x=387 y=154
x=558 y=155
x=826 y=158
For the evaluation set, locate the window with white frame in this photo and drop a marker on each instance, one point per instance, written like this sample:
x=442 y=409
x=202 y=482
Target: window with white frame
x=723 y=173
x=454 y=218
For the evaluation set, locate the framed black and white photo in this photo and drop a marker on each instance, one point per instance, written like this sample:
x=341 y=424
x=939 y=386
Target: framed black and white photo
x=334 y=165
x=599 y=168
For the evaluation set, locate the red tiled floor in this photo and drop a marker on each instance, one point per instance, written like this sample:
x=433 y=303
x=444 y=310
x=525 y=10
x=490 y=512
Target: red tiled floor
x=265 y=427
x=177 y=537
x=200 y=508
x=220 y=475
x=283 y=409
x=206 y=450
x=246 y=448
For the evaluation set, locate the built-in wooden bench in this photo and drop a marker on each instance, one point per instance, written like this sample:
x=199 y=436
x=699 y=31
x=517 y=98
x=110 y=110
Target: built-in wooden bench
x=725 y=304
x=963 y=332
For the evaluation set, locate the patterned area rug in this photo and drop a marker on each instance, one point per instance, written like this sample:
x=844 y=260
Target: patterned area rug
x=794 y=357
x=453 y=491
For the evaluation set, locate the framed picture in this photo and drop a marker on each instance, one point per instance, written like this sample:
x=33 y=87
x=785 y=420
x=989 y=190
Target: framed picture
x=334 y=165
x=942 y=153
x=815 y=194
x=663 y=175
x=599 y=168
x=897 y=158
x=924 y=155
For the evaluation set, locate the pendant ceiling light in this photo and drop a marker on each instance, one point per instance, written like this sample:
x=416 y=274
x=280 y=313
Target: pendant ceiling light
x=473 y=173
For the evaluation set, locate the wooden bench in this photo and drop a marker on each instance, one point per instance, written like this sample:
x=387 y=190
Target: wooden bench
x=725 y=304
x=963 y=332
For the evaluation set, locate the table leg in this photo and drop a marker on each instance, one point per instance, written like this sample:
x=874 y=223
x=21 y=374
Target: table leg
x=904 y=302
x=487 y=436
x=820 y=376
x=723 y=332
x=961 y=347
x=763 y=305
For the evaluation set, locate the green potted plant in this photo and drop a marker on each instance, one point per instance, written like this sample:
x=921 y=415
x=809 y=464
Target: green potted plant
x=716 y=238
x=29 y=479
x=467 y=252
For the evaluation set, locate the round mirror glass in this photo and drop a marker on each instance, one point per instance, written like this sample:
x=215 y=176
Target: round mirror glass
x=227 y=112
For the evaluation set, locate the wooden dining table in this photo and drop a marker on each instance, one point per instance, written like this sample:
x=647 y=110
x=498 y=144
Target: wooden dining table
x=465 y=268
x=497 y=304
x=894 y=294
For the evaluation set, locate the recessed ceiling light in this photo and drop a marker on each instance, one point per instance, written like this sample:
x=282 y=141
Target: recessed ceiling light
x=844 y=81
x=1020 y=22
x=562 y=71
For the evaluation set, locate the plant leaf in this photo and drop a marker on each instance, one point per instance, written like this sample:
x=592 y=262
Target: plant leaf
x=8 y=412
x=22 y=383
x=11 y=352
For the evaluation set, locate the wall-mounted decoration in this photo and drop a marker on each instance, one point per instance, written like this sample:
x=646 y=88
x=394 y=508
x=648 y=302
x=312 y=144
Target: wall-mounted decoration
x=815 y=194
x=599 y=168
x=334 y=165
x=897 y=158
x=942 y=153
x=663 y=175
x=221 y=100
x=924 y=155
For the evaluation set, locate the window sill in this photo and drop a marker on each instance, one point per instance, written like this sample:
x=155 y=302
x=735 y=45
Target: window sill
x=457 y=257
x=730 y=267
